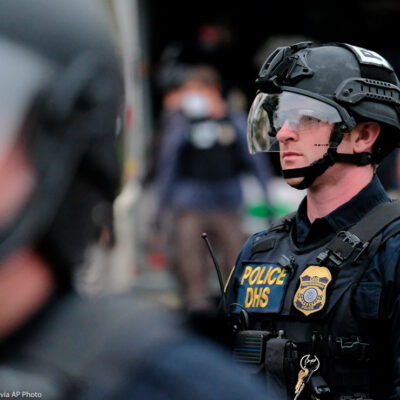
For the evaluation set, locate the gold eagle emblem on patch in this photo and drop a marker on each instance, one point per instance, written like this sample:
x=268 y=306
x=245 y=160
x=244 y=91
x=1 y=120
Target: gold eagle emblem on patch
x=311 y=294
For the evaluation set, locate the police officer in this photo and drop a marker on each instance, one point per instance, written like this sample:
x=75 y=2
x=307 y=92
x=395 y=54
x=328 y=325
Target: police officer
x=313 y=301
x=60 y=102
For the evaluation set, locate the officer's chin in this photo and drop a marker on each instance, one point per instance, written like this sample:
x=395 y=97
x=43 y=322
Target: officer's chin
x=294 y=181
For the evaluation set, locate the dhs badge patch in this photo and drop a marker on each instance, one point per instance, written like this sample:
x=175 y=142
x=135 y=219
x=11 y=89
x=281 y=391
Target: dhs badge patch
x=311 y=294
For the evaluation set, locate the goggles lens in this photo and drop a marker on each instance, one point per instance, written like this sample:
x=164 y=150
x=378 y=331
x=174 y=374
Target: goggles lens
x=270 y=113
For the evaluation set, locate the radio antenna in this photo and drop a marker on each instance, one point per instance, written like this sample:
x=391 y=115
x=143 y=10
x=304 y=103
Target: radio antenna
x=220 y=280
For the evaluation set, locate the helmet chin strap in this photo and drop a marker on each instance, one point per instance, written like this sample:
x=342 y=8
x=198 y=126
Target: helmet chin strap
x=331 y=157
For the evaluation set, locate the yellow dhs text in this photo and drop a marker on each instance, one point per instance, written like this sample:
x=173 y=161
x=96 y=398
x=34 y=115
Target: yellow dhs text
x=259 y=281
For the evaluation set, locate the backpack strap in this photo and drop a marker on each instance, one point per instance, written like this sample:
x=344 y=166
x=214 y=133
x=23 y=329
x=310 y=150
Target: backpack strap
x=357 y=239
x=394 y=230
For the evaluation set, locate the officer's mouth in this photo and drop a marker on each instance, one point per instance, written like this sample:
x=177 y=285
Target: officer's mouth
x=290 y=155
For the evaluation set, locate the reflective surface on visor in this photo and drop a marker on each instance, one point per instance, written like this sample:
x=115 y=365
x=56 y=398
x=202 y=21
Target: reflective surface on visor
x=298 y=113
x=22 y=73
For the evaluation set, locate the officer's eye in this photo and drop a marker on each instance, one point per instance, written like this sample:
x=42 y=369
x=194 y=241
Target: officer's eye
x=307 y=122
x=309 y=119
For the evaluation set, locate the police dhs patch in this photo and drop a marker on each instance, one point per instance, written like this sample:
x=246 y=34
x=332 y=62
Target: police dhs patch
x=311 y=294
x=262 y=287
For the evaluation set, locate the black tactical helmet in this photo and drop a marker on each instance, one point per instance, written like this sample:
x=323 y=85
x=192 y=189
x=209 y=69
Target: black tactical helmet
x=358 y=84
x=61 y=95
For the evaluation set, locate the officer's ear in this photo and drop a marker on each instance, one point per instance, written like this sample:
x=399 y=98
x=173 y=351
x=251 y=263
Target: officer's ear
x=364 y=136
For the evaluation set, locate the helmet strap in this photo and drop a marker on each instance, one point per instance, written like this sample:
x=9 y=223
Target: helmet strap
x=331 y=157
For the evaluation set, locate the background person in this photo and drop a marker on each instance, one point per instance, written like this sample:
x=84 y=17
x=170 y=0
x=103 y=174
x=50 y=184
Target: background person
x=203 y=155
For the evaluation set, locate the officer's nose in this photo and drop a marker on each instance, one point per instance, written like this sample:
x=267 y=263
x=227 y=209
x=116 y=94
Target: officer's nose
x=286 y=133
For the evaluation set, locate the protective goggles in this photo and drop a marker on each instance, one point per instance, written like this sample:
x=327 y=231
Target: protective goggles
x=270 y=113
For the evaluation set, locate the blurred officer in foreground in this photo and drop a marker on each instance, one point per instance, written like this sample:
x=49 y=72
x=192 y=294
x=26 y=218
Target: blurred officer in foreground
x=316 y=297
x=60 y=103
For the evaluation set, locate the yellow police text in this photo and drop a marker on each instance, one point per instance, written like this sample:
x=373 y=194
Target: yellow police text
x=258 y=281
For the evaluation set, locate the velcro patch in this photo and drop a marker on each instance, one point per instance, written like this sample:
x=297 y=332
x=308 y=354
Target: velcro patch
x=369 y=57
x=262 y=287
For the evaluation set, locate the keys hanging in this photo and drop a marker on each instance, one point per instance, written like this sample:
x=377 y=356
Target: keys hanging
x=300 y=382
x=308 y=364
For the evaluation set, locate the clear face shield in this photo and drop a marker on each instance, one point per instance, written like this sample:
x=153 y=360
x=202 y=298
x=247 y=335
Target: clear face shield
x=270 y=113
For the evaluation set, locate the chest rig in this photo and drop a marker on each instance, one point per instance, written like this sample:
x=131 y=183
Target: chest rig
x=210 y=152
x=282 y=307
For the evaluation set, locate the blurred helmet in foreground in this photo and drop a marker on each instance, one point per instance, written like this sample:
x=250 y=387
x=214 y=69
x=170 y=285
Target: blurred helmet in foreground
x=60 y=105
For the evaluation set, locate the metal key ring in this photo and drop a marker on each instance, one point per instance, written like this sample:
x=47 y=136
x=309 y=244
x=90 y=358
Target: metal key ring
x=306 y=360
